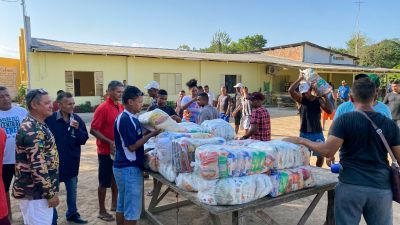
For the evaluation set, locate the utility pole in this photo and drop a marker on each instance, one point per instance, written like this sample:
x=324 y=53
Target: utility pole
x=359 y=2
x=27 y=40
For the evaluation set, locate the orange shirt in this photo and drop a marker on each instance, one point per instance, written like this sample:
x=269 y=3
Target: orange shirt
x=3 y=201
x=103 y=121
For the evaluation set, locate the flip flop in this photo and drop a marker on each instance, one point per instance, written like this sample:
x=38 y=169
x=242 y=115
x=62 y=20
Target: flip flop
x=106 y=217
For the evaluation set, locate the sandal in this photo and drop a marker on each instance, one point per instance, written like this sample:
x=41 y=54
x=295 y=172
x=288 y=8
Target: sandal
x=106 y=217
x=149 y=193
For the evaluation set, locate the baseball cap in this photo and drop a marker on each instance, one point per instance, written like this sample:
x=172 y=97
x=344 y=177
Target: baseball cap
x=238 y=85
x=256 y=96
x=375 y=79
x=153 y=84
x=304 y=87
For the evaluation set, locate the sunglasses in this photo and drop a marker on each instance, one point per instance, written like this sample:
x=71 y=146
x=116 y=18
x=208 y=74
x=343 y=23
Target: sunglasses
x=40 y=91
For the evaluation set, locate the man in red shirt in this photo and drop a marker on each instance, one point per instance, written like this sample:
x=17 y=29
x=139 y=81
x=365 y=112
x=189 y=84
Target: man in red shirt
x=56 y=107
x=260 y=120
x=102 y=128
x=3 y=202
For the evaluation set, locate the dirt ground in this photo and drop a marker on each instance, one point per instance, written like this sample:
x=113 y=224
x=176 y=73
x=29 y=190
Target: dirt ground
x=284 y=123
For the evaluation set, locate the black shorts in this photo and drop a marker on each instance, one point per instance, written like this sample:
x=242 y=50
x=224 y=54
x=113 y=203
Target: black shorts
x=238 y=117
x=105 y=170
x=8 y=173
x=5 y=221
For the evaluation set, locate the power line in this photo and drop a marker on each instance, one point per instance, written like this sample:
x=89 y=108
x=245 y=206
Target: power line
x=357 y=26
x=10 y=0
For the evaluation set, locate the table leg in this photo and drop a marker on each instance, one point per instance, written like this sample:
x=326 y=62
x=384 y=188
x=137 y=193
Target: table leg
x=156 y=192
x=330 y=212
x=310 y=208
x=265 y=217
x=215 y=219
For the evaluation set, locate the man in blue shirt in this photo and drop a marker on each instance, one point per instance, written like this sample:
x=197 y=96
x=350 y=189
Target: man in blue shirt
x=70 y=133
x=129 y=157
x=344 y=91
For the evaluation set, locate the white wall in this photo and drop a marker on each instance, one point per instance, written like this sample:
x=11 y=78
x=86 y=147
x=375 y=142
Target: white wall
x=317 y=55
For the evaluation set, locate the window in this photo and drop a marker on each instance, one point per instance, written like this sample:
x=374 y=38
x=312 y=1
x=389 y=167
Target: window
x=171 y=82
x=229 y=81
x=81 y=83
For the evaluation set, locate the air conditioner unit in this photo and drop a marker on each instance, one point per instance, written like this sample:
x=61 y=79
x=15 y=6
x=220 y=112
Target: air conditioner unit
x=272 y=70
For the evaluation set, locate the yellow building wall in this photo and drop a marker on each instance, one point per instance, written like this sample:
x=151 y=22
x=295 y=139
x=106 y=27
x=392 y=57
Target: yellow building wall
x=48 y=71
x=9 y=73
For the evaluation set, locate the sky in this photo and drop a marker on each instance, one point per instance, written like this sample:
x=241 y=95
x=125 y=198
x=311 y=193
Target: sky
x=170 y=23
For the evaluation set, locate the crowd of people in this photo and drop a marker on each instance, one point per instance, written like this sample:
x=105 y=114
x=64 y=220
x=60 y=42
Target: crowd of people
x=41 y=146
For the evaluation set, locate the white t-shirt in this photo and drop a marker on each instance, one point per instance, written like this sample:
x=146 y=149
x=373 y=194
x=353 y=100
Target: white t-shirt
x=211 y=98
x=10 y=121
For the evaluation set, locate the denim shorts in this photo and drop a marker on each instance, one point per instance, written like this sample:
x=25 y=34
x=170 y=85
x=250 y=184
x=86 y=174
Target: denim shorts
x=130 y=191
x=315 y=137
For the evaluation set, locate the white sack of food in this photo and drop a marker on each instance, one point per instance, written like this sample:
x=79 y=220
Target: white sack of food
x=193 y=127
x=220 y=128
x=236 y=190
x=183 y=151
x=191 y=182
x=151 y=161
x=245 y=142
x=289 y=180
x=312 y=77
x=167 y=172
x=285 y=154
x=160 y=120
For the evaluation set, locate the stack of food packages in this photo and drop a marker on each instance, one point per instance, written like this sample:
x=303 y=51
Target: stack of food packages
x=223 y=171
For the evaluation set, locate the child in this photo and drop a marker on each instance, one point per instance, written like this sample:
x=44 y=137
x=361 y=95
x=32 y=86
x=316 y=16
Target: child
x=162 y=98
x=129 y=157
x=207 y=112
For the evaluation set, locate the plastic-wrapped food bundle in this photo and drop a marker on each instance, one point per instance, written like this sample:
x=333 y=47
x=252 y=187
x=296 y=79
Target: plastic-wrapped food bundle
x=219 y=128
x=167 y=172
x=164 y=143
x=284 y=154
x=192 y=182
x=151 y=161
x=236 y=190
x=245 y=142
x=289 y=180
x=311 y=76
x=193 y=127
x=221 y=161
x=160 y=120
x=183 y=151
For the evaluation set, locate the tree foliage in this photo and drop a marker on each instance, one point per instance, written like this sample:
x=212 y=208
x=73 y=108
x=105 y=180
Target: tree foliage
x=362 y=42
x=184 y=47
x=383 y=54
x=248 y=43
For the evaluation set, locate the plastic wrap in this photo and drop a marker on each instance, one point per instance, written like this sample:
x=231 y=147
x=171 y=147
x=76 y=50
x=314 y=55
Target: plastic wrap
x=219 y=128
x=191 y=182
x=289 y=180
x=167 y=172
x=183 y=151
x=151 y=161
x=193 y=128
x=159 y=120
x=236 y=190
x=245 y=142
x=284 y=154
x=221 y=161
x=312 y=77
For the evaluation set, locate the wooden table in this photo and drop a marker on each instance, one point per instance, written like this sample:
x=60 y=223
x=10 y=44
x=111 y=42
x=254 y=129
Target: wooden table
x=325 y=180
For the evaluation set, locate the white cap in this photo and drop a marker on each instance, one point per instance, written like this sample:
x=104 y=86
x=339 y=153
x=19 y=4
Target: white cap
x=304 y=87
x=153 y=84
x=238 y=85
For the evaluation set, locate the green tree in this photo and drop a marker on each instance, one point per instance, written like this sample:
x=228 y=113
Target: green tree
x=251 y=43
x=340 y=50
x=220 y=42
x=184 y=47
x=383 y=54
x=361 y=42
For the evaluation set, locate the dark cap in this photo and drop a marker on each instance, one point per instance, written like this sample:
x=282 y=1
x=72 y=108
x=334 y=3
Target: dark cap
x=256 y=96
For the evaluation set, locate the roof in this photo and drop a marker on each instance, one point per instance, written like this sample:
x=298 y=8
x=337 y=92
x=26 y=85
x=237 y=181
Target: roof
x=45 y=45
x=306 y=43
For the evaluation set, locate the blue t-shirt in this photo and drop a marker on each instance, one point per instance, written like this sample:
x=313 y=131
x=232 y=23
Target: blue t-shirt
x=349 y=107
x=127 y=131
x=344 y=91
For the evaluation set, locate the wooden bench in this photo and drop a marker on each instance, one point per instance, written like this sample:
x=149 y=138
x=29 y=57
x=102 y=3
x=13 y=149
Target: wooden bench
x=325 y=180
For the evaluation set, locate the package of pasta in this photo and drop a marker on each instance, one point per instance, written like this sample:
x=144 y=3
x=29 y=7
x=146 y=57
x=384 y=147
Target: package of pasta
x=285 y=155
x=183 y=151
x=158 y=119
x=289 y=180
x=151 y=161
x=219 y=128
x=235 y=190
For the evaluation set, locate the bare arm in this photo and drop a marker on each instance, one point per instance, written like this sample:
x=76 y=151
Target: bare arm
x=184 y=107
x=292 y=89
x=396 y=152
x=97 y=134
x=325 y=104
x=327 y=149
x=253 y=129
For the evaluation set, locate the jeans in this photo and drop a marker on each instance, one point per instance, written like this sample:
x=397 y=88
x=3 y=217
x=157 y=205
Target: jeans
x=71 y=186
x=352 y=201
